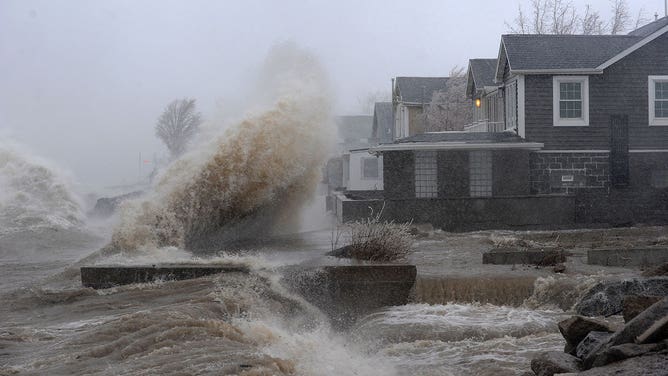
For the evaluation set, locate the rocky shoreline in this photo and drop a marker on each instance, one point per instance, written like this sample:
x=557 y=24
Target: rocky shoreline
x=600 y=346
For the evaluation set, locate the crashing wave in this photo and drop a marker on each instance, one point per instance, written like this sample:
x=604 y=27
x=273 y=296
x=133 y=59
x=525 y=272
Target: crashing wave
x=247 y=181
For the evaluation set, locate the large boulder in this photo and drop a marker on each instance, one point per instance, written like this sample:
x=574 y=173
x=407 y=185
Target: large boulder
x=632 y=305
x=654 y=364
x=625 y=351
x=639 y=326
x=552 y=362
x=106 y=206
x=590 y=343
x=576 y=328
x=605 y=298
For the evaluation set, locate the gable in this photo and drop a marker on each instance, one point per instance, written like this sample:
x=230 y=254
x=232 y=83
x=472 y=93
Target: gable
x=418 y=90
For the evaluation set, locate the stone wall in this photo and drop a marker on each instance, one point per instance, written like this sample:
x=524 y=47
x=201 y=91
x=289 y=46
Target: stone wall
x=567 y=172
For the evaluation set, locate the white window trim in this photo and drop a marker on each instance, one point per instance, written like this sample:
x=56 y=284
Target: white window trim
x=654 y=121
x=557 y=120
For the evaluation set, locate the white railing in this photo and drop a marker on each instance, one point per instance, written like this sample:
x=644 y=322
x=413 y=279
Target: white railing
x=485 y=126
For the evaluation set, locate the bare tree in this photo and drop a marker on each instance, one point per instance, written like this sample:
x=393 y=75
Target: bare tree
x=621 y=17
x=592 y=24
x=177 y=125
x=563 y=17
x=450 y=109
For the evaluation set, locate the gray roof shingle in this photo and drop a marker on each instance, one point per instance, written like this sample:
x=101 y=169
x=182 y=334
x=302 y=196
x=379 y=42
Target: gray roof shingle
x=650 y=28
x=483 y=71
x=419 y=89
x=541 y=52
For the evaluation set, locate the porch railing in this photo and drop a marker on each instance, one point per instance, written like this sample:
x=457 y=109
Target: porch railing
x=485 y=126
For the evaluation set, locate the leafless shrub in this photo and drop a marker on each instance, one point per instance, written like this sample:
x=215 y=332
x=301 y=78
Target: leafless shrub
x=374 y=240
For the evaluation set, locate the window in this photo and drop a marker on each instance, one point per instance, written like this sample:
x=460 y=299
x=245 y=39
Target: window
x=369 y=168
x=425 y=174
x=480 y=173
x=660 y=178
x=658 y=100
x=511 y=105
x=570 y=101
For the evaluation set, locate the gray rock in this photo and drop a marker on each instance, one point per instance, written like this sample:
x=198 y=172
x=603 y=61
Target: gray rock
x=657 y=332
x=591 y=342
x=655 y=364
x=628 y=334
x=625 y=351
x=641 y=323
x=576 y=328
x=605 y=299
x=549 y=363
x=106 y=206
x=632 y=305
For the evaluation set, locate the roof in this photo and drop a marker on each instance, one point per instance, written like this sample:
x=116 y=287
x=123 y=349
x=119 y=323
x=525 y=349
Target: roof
x=459 y=141
x=480 y=74
x=584 y=54
x=383 y=121
x=419 y=89
x=650 y=28
x=355 y=127
x=534 y=52
x=459 y=136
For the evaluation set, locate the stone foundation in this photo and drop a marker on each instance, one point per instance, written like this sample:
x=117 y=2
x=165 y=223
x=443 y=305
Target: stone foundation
x=567 y=172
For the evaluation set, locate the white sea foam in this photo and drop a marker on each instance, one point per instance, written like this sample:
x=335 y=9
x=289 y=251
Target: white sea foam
x=34 y=194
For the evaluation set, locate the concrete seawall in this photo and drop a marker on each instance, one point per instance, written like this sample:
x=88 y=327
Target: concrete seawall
x=349 y=292
x=628 y=257
x=102 y=277
x=344 y=293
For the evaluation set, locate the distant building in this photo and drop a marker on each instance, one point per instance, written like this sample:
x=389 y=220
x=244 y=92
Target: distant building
x=354 y=169
x=410 y=98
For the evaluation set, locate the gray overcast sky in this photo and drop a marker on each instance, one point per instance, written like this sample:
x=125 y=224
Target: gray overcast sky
x=82 y=82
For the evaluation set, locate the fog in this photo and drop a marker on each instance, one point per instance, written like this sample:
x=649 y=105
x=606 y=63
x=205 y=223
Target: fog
x=82 y=83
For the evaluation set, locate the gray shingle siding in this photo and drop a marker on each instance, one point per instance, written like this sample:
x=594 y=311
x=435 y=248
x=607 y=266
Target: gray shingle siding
x=621 y=89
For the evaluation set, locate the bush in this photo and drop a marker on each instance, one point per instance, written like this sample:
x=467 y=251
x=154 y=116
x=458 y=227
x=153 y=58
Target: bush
x=375 y=240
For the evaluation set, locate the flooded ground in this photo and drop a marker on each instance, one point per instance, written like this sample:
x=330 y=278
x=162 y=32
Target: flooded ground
x=251 y=325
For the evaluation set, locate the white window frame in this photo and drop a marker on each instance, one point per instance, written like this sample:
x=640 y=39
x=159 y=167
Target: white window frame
x=556 y=96
x=653 y=120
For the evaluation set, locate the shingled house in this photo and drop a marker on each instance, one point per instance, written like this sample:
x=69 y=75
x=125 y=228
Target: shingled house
x=487 y=96
x=582 y=138
x=410 y=98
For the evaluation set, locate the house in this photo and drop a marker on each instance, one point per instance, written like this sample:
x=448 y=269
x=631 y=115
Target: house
x=410 y=99
x=383 y=123
x=598 y=103
x=487 y=96
x=571 y=130
x=353 y=168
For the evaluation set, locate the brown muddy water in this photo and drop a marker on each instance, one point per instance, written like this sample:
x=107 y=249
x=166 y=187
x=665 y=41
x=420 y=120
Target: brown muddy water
x=467 y=318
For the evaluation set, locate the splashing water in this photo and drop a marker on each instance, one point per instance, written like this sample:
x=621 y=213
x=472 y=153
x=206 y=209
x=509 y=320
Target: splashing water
x=33 y=195
x=248 y=181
